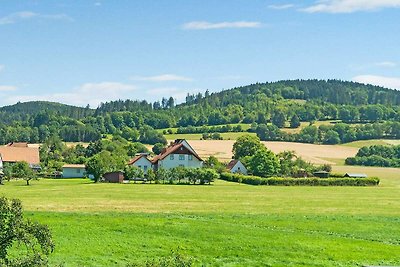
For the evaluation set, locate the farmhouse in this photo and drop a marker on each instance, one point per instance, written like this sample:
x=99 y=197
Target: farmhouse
x=16 y=152
x=235 y=166
x=178 y=154
x=73 y=171
x=141 y=161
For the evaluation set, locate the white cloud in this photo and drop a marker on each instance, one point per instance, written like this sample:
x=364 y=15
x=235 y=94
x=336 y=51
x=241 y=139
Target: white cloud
x=162 y=78
x=2 y=67
x=88 y=93
x=97 y=4
x=281 y=7
x=27 y=15
x=204 y=25
x=386 y=64
x=388 y=82
x=4 y=88
x=349 y=6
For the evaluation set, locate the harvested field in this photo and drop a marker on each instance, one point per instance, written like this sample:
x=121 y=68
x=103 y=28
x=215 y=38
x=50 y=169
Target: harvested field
x=318 y=154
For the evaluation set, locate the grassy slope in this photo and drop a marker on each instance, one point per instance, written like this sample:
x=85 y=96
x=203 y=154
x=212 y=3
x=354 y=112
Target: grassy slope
x=223 y=224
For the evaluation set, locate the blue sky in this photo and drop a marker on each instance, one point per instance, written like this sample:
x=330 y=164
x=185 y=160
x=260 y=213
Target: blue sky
x=87 y=52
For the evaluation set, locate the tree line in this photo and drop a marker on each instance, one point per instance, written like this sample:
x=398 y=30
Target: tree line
x=285 y=103
x=376 y=155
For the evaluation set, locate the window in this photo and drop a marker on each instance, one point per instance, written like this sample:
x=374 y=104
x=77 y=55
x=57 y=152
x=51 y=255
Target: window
x=140 y=166
x=171 y=157
x=145 y=167
x=181 y=157
x=181 y=165
x=190 y=157
x=78 y=170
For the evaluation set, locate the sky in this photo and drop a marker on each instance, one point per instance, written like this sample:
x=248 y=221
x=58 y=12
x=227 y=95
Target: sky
x=88 y=52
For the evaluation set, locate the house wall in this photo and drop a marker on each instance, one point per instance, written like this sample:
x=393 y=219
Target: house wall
x=143 y=164
x=169 y=163
x=73 y=173
x=239 y=168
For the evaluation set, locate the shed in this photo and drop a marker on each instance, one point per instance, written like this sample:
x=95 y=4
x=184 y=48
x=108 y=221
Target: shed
x=114 y=177
x=235 y=166
x=355 y=175
x=73 y=171
x=321 y=174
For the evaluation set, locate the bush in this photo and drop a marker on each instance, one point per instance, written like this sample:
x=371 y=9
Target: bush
x=255 y=180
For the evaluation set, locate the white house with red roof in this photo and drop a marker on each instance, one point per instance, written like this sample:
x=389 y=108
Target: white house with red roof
x=178 y=154
x=235 y=166
x=141 y=161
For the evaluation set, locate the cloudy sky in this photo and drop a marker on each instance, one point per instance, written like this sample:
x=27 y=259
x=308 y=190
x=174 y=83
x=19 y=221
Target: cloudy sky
x=87 y=52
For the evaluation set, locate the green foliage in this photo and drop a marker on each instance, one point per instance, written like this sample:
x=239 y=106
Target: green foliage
x=376 y=155
x=264 y=163
x=22 y=170
x=255 y=180
x=278 y=119
x=132 y=172
x=157 y=148
x=295 y=121
x=32 y=241
x=309 y=100
x=246 y=145
x=104 y=162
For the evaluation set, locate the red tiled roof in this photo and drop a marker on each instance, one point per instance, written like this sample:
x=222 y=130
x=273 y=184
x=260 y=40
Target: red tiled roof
x=16 y=153
x=171 y=149
x=232 y=164
x=136 y=158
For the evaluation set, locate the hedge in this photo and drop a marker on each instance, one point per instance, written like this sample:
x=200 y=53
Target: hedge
x=255 y=180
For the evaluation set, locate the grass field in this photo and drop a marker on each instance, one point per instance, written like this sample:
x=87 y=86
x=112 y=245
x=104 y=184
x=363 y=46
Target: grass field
x=225 y=224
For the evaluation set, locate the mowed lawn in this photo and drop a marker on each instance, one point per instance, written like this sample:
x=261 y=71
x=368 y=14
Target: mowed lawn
x=225 y=224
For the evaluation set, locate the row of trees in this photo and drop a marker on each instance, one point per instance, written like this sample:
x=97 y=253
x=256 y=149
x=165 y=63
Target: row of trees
x=281 y=103
x=376 y=155
x=261 y=161
x=327 y=134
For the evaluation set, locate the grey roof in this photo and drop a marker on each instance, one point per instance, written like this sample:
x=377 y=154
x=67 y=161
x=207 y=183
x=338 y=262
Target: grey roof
x=362 y=175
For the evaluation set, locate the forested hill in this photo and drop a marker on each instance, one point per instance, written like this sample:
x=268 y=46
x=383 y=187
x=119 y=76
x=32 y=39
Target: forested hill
x=331 y=91
x=35 y=107
x=261 y=103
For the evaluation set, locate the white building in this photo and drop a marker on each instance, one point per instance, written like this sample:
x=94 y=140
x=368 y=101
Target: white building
x=177 y=154
x=1 y=163
x=235 y=166
x=142 y=162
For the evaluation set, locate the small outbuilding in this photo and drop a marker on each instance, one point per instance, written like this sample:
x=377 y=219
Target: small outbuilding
x=321 y=174
x=114 y=177
x=355 y=175
x=73 y=171
x=235 y=166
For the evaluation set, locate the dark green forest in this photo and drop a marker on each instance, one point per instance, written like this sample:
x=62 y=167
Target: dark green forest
x=366 y=112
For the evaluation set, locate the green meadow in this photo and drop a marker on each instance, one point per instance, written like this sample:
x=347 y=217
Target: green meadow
x=224 y=224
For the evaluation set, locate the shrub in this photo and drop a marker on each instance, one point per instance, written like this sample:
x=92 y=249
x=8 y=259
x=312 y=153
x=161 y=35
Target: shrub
x=255 y=180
